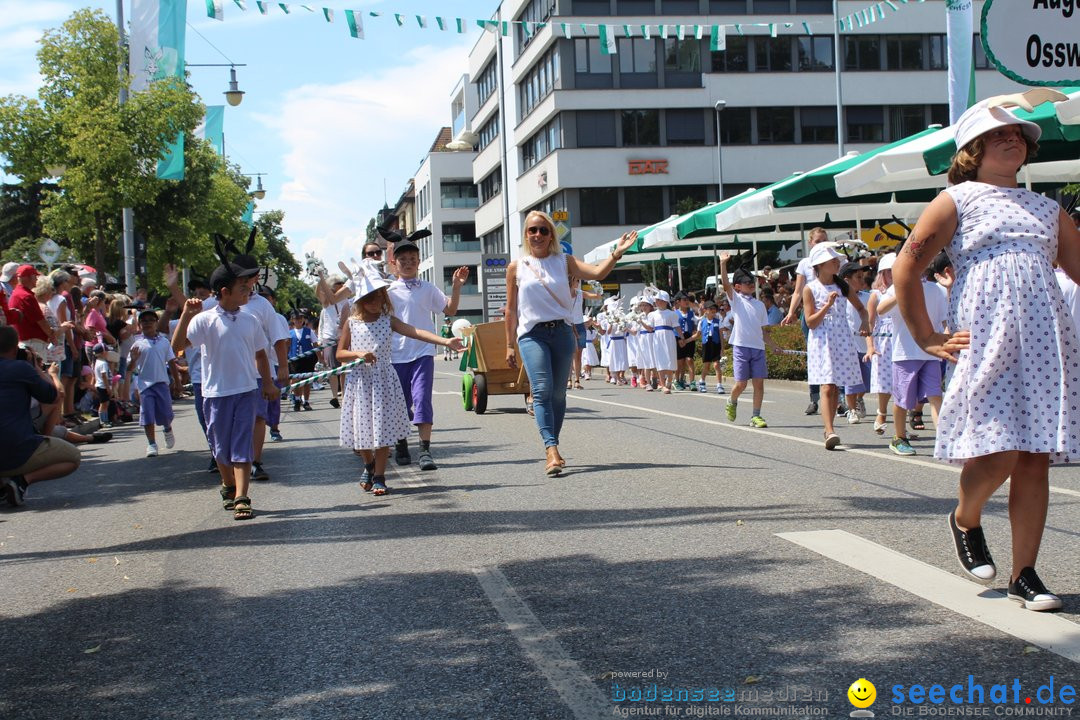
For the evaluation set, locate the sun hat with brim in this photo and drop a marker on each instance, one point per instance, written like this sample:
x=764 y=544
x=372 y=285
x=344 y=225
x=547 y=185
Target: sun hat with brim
x=822 y=253
x=9 y=271
x=663 y=295
x=982 y=118
x=886 y=262
x=368 y=282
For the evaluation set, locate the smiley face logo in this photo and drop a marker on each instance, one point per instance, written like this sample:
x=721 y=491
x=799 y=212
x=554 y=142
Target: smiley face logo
x=862 y=693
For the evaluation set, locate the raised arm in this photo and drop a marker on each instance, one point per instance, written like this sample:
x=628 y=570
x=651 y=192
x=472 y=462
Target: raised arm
x=586 y=271
x=510 y=319
x=179 y=339
x=460 y=276
x=729 y=290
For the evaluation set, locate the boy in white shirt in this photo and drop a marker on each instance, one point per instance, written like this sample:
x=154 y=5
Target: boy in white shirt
x=233 y=345
x=102 y=383
x=414 y=302
x=749 y=337
x=152 y=359
x=916 y=373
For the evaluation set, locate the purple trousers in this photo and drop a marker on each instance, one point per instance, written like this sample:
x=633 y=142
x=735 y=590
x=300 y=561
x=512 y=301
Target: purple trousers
x=155 y=405
x=416 y=380
x=230 y=426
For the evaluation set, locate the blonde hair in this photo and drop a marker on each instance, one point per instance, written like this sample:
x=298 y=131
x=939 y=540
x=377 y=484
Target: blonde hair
x=43 y=287
x=554 y=248
x=966 y=161
x=814 y=231
x=118 y=307
x=386 y=309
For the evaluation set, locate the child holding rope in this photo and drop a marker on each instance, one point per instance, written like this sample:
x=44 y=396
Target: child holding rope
x=373 y=412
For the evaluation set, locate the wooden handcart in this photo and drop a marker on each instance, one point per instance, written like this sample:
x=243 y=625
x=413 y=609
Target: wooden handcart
x=485 y=367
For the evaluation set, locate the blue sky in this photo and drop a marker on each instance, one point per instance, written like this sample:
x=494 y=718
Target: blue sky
x=328 y=117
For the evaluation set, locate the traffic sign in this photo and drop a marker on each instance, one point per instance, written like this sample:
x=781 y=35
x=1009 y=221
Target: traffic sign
x=560 y=216
x=567 y=247
x=49 y=251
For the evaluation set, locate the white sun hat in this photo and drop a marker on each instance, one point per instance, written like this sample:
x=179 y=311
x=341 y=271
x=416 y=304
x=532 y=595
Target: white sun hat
x=824 y=252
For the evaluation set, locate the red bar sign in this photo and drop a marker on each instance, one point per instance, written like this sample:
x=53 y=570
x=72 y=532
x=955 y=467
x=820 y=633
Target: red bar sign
x=648 y=167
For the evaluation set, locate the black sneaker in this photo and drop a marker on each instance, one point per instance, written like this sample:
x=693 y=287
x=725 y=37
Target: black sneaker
x=811 y=409
x=307 y=406
x=296 y=406
x=841 y=410
x=212 y=467
x=401 y=453
x=426 y=461
x=258 y=473
x=972 y=552
x=14 y=489
x=1029 y=591
x=334 y=403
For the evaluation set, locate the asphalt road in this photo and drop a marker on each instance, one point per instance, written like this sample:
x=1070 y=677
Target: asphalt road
x=692 y=552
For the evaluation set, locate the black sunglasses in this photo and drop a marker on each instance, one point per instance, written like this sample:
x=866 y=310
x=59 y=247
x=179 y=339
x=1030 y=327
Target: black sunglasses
x=538 y=229
x=373 y=253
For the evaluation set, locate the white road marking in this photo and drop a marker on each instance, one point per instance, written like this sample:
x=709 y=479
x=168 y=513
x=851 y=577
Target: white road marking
x=967 y=598
x=578 y=693
x=793 y=438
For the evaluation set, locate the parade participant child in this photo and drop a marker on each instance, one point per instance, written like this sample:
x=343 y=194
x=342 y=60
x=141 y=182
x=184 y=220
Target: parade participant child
x=880 y=343
x=633 y=341
x=855 y=276
x=447 y=331
x=374 y=415
x=664 y=323
x=915 y=373
x=102 y=382
x=414 y=302
x=687 y=343
x=301 y=342
x=151 y=357
x=748 y=340
x=648 y=377
x=830 y=352
x=615 y=332
x=712 y=332
x=588 y=355
x=229 y=339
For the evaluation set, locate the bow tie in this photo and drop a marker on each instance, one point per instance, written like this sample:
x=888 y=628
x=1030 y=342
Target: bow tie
x=412 y=284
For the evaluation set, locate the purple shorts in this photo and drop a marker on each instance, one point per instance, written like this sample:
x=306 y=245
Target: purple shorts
x=416 y=380
x=749 y=363
x=864 y=367
x=155 y=405
x=230 y=426
x=913 y=380
x=269 y=410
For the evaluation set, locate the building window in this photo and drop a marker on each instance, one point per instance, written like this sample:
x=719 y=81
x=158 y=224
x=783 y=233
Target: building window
x=458 y=194
x=486 y=82
x=981 y=61
x=862 y=52
x=938 y=55
x=766 y=7
x=459 y=237
x=489 y=131
x=640 y=128
x=772 y=54
x=682 y=62
x=686 y=198
x=815 y=53
x=545 y=140
x=539 y=82
x=905 y=120
x=591 y=7
x=599 y=206
x=735 y=126
x=457 y=112
x=865 y=124
x=471 y=286
x=678 y=7
x=776 y=125
x=644 y=205
x=637 y=63
x=685 y=127
x=818 y=124
x=536 y=11
x=550 y=204
x=817 y=7
x=591 y=67
x=423 y=201
x=939 y=115
x=595 y=128
x=491 y=185
x=492 y=243
x=728 y=7
x=635 y=7
x=904 y=52
x=734 y=58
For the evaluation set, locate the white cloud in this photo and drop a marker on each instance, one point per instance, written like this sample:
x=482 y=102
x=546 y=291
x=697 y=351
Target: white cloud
x=342 y=140
x=16 y=13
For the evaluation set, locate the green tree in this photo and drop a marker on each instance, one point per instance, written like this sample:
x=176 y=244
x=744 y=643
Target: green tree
x=109 y=150
x=20 y=212
x=372 y=234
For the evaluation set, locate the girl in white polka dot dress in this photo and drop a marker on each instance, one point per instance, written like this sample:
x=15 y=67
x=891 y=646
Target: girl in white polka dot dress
x=1013 y=404
x=373 y=413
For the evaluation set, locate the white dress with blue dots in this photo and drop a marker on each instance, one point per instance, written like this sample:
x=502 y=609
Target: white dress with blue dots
x=881 y=365
x=373 y=412
x=831 y=357
x=1017 y=386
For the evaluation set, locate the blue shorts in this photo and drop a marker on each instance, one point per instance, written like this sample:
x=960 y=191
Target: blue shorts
x=579 y=335
x=749 y=363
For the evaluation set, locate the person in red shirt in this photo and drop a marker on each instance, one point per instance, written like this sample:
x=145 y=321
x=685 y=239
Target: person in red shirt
x=31 y=324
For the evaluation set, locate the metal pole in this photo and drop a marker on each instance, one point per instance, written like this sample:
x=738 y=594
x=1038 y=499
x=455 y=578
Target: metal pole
x=503 y=170
x=719 y=108
x=127 y=214
x=837 y=59
x=678 y=265
x=757 y=283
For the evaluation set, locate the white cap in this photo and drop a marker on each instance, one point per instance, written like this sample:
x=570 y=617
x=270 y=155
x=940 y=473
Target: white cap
x=662 y=295
x=823 y=253
x=9 y=271
x=980 y=118
x=886 y=262
x=88 y=282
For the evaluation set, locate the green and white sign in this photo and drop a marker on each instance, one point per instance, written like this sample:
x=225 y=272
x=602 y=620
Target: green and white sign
x=1035 y=42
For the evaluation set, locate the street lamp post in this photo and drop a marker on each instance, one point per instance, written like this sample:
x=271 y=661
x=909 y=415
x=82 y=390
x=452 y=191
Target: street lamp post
x=234 y=95
x=719 y=107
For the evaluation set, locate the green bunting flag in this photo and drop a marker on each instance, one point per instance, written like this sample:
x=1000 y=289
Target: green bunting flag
x=261 y=5
x=718 y=38
x=328 y=13
x=240 y=4
x=215 y=10
x=607 y=41
x=356 y=25
x=284 y=7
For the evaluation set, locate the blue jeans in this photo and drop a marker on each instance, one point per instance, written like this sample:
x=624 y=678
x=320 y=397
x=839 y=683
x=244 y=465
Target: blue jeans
x=547 y=352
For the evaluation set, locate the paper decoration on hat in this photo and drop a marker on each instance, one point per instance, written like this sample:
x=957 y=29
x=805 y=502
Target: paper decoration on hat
x=368 y=282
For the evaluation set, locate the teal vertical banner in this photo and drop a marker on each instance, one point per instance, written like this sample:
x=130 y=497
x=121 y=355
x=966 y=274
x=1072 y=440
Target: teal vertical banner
x=213 y=127
x=248 y=217
x=172 y=23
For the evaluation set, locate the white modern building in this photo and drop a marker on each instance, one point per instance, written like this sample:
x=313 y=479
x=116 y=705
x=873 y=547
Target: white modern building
x=617 y=141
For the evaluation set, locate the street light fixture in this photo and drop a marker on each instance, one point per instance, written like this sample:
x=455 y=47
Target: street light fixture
x=234 y=95
x=719 y=107
x=259 y=192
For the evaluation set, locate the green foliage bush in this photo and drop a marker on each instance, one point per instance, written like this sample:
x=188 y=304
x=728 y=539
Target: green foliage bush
x=781 y=366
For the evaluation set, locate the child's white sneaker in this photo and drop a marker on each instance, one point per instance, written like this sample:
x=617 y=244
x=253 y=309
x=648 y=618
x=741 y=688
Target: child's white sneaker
x=720 y=390
x=852 y=417
x=151 y=450
x=170 y=439
x=702 y=387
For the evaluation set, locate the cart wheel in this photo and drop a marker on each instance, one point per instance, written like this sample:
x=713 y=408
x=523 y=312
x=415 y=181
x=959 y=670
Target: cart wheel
x=479 y=393
x=467 y=391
